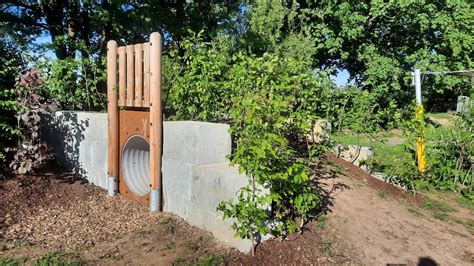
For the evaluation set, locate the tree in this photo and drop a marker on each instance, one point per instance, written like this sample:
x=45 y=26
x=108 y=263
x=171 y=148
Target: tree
x=86 y=26
x=379 y=43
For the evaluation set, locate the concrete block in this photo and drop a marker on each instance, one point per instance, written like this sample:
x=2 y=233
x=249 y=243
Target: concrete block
x=463 y=105
x=198 y=142
x=212 y=184
x=358 y=154
x=222 y=180
x=220 y=229
x=177 y=186
x=79 y=140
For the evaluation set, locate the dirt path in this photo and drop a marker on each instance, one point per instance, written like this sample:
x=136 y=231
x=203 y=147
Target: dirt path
x=383 y=230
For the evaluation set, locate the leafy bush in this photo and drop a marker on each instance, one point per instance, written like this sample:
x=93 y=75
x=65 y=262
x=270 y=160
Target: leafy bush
x=449 y=155
x=74 y=82
x=263 y=98
x=360 y=111
x=30 y=151
x=10 y=65
x=201 y=93
x=451 y=158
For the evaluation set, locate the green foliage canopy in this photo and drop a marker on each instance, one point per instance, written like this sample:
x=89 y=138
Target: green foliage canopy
x=380 y=42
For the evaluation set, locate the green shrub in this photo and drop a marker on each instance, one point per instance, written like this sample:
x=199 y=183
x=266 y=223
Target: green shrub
x=360 y=111
x=449 y=154
x=263 y=98
x=75 y=82
x=10 y=66
x=451 y=158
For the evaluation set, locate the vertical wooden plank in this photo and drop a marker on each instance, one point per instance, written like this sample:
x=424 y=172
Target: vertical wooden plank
x=146 y=74
x=122 y=75
x=130 y=75
x=156 y=117
x=112 y=109
x=138 y=75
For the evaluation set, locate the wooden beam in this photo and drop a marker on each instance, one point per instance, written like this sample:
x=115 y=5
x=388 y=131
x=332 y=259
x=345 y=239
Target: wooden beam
x=122 y=76
x=138 y=75
x=130 y=75
x=146 y=74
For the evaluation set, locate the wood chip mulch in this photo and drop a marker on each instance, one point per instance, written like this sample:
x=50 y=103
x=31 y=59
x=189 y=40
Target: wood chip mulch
x=59 y=212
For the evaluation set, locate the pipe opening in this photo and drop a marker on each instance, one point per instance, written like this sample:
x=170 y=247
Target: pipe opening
x=136 y=165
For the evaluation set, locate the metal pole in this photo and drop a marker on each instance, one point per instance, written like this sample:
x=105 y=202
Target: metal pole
x=420 y=140
x=418 y=86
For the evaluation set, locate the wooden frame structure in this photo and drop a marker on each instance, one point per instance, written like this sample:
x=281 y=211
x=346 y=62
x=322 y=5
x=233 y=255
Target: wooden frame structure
x=134 y=108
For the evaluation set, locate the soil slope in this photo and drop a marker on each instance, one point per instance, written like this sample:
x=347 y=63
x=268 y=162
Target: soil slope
x=377 y=223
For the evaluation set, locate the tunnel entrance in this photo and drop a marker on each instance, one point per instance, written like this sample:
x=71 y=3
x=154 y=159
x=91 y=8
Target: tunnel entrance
x=136 y=165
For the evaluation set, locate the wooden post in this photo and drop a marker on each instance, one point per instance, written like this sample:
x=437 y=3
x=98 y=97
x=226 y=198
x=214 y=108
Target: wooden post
x=112 y=111
x=122 y=76
x=138 y=75
x=130 y=75
x=156 y=121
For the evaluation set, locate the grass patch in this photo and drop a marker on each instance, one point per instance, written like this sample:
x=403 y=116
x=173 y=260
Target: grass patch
x=469 y=223
x=382 y=194
x=440 y=216
x=321 y=221
x=447 y=116
x=213 y=260
x=12 y=262
x=440 y=209
x=326 y=248
x=415 y=211
x=193 y=244
x=436 y=206
x=166 y=221
x=464 y=202
x=208 y=261
x=20 y=243
x=53 y=258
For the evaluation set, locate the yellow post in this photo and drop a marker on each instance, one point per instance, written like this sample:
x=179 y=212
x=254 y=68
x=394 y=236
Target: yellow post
x=420 y=142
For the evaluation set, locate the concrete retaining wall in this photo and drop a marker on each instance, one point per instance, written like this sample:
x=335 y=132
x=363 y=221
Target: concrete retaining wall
x=79 y=140
x=196 y=172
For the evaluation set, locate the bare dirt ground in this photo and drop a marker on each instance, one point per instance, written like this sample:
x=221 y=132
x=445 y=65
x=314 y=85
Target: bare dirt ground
x=368 y=221
x=386 y=226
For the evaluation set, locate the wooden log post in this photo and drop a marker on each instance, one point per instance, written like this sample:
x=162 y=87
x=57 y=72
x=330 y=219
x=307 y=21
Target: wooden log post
x=112 y=111
x=156 y=121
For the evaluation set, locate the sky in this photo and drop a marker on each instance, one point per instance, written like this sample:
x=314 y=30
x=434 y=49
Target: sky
x=341 y=79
